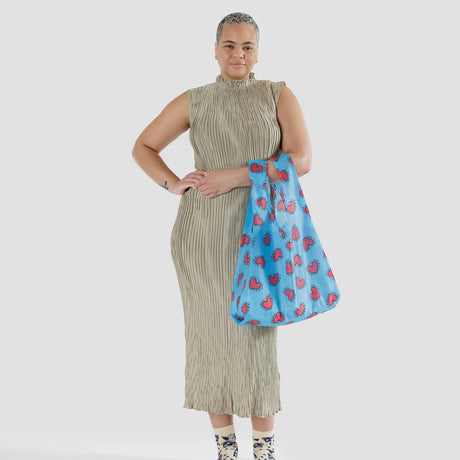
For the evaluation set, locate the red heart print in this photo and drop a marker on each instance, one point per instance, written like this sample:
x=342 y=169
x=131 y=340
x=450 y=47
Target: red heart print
x=331 y=298
x=330 y=273
x=273 y=279
x=244 y=240
x=261 y=202
x=256 y=168
x=314 y=293
x=300 y=310
x=253 y=284
x=258 y=220
x=282 y=195
x=247 y=259
x=239 y=278
x=267 y=239
x=278 y=318
x=267 y=303
x=313 y=314
x=289 y=268
x=253 y=322
x=272 y=216
x=289 y=293
x=291 y=207
x=244 y=284
x=297 y=260
x=283 y=174
x=237 y=301
x=282 y=232
x=300 y=282
x=232 y=295
x=277 y=254
x=244 y=308
x=281 y=206
x=306 y=209
x=313 y=268
x=295 y=233
x=260 y=261
x=289 y=245
x=307 y=242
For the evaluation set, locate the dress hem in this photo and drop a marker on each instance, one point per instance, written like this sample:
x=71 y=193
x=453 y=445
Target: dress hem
x=204 y=407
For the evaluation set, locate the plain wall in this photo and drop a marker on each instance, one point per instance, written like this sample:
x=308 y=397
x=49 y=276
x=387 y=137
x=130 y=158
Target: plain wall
x=92 y=349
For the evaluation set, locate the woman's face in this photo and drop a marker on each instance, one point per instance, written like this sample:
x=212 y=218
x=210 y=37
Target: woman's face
x=238 y=45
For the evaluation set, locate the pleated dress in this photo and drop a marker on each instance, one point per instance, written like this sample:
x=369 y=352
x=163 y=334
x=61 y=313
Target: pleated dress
x=229 y=368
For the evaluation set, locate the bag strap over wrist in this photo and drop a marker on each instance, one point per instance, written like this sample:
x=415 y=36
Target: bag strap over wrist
x=261 y=188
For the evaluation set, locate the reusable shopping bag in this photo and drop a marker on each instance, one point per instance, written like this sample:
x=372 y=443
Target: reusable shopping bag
x=282 y=274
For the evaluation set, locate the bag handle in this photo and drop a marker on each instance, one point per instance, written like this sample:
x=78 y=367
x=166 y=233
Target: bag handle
x=260 y=187
x=288 y=192
x=283 y=191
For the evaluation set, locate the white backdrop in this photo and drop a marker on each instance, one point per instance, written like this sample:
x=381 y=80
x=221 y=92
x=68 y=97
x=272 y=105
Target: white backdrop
x=92 y=342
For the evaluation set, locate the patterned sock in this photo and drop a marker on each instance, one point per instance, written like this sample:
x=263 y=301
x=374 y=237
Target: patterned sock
x=227 y=448
x=264 y=444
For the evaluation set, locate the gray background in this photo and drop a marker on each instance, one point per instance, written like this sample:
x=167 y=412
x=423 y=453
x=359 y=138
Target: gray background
x=92 y=343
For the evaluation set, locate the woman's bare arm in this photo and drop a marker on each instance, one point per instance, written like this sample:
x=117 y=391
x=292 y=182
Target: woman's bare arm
x=294 y=135
x=294 y=140
x=173 y=120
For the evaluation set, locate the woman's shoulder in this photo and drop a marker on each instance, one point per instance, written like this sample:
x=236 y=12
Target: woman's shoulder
x=275 y=87
x=276 y=84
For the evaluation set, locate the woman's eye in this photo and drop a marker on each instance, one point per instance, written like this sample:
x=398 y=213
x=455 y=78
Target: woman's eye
x=231 y=46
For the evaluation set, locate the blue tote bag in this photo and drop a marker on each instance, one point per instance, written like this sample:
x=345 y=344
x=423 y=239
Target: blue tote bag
x=282 y=274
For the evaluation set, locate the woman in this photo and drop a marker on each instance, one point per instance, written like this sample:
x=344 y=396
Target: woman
x=230 y=369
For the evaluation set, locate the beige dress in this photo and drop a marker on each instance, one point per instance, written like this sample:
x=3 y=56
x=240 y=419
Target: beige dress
x=230 y=369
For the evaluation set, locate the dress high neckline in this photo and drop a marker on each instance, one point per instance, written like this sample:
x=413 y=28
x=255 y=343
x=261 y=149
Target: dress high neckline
x=237 y=84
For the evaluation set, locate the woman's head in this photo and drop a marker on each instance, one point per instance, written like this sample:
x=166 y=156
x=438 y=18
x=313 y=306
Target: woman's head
x=236 y=18
x=237 y=42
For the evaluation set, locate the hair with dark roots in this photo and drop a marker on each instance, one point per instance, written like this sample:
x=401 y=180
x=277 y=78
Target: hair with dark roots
x=236 y=18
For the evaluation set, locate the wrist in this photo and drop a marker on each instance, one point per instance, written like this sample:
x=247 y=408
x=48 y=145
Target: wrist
x=241 y=177
x=273 y=173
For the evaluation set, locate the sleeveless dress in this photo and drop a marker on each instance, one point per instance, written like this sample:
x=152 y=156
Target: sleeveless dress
x=230 y=369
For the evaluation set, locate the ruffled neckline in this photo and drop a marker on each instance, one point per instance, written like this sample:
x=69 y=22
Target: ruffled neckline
x=237 y=84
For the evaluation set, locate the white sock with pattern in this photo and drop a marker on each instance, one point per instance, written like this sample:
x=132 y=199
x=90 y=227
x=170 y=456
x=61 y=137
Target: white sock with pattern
x=225 y=437
x=264 y=444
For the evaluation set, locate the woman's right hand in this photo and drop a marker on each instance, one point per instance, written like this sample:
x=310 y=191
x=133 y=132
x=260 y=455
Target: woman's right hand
x=190 y=180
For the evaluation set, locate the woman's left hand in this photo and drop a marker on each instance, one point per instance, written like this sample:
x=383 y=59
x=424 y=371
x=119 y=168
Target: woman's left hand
x=216 y=182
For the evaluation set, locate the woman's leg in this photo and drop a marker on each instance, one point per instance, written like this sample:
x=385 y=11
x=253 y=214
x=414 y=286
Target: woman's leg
x=224 y=434
x=258 y=423
x=263 y=436
x=220 y=420
x=263 y=423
